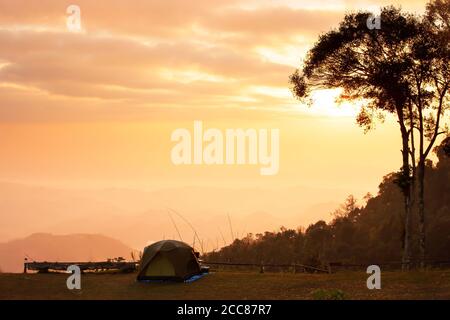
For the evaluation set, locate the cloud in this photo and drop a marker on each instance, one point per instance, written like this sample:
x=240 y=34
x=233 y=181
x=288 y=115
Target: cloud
x=153 y=54
x=114 y=68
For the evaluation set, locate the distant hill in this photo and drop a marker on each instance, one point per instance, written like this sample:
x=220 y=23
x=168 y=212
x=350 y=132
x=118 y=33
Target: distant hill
x=49 y=247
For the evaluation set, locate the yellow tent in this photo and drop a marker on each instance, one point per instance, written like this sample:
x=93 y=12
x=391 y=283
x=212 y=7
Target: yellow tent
x=168 y=260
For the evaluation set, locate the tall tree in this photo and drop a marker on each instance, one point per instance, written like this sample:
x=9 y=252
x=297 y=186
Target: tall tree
x=369 y=65
x=430 y=84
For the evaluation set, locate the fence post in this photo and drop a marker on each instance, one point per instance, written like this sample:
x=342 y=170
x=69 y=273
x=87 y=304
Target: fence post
x=261 y=269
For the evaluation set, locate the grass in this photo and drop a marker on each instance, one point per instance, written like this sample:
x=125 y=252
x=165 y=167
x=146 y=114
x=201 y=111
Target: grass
x=232 y=285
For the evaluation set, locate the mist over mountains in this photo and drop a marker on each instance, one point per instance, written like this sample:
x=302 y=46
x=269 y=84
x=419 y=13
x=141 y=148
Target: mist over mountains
x=139 y=217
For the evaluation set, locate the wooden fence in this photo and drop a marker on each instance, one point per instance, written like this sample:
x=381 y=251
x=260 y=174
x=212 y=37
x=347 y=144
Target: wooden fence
x=263 y=267
x=329 y=268
x=44 y=267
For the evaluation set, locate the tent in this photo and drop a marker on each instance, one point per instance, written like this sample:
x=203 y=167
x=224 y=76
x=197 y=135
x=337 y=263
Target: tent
x=168 y=260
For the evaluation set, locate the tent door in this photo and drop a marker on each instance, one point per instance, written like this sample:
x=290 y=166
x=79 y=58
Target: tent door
x=160 y=266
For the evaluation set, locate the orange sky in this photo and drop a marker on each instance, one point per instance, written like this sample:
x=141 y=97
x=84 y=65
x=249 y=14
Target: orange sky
x=96 y=108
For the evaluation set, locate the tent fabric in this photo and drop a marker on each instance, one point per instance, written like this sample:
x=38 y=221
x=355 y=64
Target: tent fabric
x=168 y=260
x=191 y=279
x=195 y=277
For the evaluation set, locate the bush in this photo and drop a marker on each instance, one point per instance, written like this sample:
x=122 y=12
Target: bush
x=332 y=294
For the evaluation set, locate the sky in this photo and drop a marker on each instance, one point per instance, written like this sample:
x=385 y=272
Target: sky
x=96 y=108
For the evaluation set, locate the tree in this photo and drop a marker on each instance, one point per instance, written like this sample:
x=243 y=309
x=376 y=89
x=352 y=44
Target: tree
x=349 y=209
x=370 y=66
x=430 y=81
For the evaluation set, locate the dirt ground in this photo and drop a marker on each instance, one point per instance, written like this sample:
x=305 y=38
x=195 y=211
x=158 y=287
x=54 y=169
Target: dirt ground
x=232 y=285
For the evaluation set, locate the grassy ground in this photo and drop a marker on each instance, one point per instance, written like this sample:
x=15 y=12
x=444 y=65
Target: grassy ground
x=231 y=285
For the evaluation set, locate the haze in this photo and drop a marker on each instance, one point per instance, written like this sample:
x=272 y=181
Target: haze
x=86 y=118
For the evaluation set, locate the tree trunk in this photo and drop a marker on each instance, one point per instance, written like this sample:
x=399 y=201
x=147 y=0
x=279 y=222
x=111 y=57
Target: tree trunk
x=406 y=257
x=421 y=176
x=406 y=190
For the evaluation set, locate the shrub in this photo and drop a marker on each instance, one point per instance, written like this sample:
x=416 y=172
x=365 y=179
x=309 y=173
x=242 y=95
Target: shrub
x=332 y=294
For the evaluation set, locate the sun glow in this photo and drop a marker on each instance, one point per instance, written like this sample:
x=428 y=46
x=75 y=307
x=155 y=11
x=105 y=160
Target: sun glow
x=324 y=103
